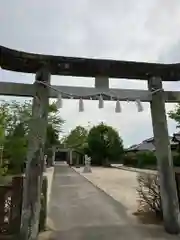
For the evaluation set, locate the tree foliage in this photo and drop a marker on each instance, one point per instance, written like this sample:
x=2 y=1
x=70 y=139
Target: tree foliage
x=77 y=139
x=104 y=144
x=14 y=128
x=175 y=114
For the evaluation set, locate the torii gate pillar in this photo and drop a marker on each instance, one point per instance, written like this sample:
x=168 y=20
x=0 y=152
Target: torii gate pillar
x=101 y=82
x=164 y=157
x=35 y=157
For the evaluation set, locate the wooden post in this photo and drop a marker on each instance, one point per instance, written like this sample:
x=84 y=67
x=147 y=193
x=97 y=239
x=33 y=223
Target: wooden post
x=164 y=158
x=16 y=205
x=53 y=155
x=35 y=158
x=70 y=158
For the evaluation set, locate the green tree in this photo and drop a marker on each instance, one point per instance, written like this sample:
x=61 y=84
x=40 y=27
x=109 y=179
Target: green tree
x=175 y=114
x=14 y=112
x=52 y=136
x=77 y=138
x=2 y=133
x=104 y=145
x=15 y=148
x=14 y=119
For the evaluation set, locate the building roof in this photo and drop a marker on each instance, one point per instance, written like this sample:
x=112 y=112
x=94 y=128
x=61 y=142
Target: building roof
x=20 y=61
x=148 y=145
x=176 y=137
x=144 y=146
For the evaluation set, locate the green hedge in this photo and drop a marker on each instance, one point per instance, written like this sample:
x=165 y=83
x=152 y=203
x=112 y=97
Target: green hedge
x=145 y=160
x=130 y=159
x=176 y=160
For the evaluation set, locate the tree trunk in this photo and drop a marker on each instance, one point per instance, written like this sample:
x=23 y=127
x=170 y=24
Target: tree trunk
x=106 y=162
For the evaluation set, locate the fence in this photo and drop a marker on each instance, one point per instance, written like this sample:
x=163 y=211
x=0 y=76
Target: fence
x=10 y=206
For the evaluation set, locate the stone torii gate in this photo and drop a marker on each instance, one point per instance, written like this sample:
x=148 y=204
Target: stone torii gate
x=44 y=66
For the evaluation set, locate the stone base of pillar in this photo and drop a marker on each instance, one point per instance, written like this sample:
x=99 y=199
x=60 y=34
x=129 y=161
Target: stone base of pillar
x=87 y=169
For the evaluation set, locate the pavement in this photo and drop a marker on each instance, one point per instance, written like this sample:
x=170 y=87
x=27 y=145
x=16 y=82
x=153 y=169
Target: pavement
x=132 y=169
x=119 y=184
x=80 y=211
x=49 y=174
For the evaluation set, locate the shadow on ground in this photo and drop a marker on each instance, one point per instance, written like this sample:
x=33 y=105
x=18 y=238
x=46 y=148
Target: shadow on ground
x=110 y=233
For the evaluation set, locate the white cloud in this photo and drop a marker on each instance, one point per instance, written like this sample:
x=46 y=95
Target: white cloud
x=126 y=30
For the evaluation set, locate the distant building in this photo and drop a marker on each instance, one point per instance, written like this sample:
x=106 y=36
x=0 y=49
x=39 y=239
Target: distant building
x=148 y=145
x=176 y=137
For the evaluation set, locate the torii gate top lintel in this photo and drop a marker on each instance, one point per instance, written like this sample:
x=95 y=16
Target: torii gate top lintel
x=19 y=61
x=102 y=70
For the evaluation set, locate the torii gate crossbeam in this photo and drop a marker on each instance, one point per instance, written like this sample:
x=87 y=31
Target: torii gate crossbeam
x=27 y=90
x=45 y=65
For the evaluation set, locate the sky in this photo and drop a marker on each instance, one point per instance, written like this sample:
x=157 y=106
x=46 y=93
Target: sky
x=122 y=30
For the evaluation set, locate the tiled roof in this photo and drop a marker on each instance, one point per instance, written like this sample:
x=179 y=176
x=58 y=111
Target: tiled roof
x=147 y=145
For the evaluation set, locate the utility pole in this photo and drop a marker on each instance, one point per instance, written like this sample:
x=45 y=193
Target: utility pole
x=168 y=189
x=35 y=158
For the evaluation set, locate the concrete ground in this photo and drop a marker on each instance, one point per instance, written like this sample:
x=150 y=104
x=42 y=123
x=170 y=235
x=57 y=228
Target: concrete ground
x=49 y=173
x=80 y=211
x=119 y=184
x=132 y=169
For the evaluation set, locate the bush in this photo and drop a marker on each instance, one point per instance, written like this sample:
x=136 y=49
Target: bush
x=140 y=159
x=149 y=194
x=130 y=159
x=3 y=171
x=176 y=160
x=146 y=159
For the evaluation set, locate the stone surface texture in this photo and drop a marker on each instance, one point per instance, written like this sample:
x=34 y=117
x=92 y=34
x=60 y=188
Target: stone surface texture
x=78 y=210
